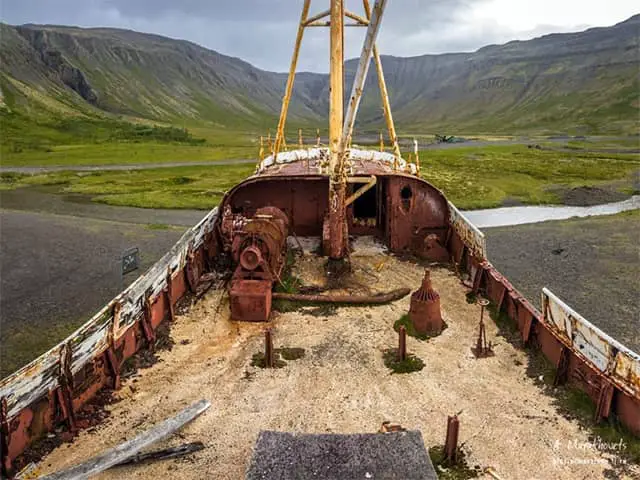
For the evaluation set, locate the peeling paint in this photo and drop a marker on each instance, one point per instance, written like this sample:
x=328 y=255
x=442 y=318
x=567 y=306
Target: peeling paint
x=604 y=353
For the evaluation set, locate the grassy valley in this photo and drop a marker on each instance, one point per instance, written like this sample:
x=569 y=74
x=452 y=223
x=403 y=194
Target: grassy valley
x=471 y=177
x=100 y=96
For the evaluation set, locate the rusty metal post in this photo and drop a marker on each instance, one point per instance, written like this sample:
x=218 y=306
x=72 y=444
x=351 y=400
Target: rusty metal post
x=382 y=85
x=605 y=397
x=146 y=324
x=114 y=365
x=451 y=441
x=268 y=349
x=482 y=348
x=292 y=75
x=168 y=291
x=402 y=344
x=337 y=180
x=562 y=368
x=65 y=386
x=7 y=467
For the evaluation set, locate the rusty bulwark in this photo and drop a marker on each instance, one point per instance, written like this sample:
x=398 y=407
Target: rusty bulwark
x=31 y=392
x=469 y=234
x=553 y=337
x=593 y=345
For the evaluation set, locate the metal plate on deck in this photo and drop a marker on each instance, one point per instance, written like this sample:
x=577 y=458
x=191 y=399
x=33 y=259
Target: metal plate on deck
x=284 y=456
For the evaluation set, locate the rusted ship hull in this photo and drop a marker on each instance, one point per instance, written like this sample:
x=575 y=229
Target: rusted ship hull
x=408 y=214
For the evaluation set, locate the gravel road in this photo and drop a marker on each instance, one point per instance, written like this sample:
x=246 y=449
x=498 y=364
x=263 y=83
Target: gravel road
x=57 y=270
x=593 y=264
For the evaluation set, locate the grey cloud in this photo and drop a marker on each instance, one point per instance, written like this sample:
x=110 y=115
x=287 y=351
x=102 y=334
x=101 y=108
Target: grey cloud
x=262 y=31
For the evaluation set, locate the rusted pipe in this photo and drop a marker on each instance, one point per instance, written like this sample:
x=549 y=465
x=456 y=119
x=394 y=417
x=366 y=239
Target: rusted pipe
x=451 y=440
x=348 y=299
x=268 y=349
x=402 y=344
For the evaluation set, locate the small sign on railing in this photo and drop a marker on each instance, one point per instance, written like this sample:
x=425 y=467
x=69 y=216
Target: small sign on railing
x=130 y=260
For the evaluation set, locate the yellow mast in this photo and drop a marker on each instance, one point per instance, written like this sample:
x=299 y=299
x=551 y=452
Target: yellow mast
x=337 y=180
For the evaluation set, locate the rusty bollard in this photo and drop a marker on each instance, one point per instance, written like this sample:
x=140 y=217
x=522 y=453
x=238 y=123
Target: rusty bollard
x=451 y=442
x=482 y=348
x=402 y=344
x=268 y=349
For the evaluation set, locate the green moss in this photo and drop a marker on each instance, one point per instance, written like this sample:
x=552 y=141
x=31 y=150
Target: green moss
x=288 y=283
x=158 y=226
x=410 y=364
x=291 y=353
x=406 y=322
x=280 y=355
x=459 y=471
x=258 y=360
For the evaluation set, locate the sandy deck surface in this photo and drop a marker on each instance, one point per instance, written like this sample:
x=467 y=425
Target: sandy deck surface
x=342 y=386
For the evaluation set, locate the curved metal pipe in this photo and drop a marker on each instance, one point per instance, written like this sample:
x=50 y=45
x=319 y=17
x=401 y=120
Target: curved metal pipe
x=347 y=299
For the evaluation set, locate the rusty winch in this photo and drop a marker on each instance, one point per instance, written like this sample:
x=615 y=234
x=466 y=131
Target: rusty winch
x=258 y=249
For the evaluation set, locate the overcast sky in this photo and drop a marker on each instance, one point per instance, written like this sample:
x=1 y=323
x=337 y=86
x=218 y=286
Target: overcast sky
x=262 y=32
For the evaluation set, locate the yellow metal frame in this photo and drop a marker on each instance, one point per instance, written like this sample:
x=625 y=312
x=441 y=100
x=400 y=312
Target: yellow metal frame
x=317 y=20
x=339 y=134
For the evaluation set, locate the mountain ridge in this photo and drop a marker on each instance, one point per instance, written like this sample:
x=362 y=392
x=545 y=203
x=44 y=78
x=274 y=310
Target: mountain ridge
x=582 y=82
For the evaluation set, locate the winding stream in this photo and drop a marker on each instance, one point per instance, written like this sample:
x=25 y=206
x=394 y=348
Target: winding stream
x=500 y=217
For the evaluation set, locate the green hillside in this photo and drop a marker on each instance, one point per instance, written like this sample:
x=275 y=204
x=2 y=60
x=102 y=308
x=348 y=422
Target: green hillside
x=85 y=87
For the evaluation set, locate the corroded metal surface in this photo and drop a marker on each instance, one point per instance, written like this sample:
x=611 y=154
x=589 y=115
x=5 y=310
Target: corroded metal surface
x=424 y=310
x=410 y=212
x=258 y=249
x=562 y=338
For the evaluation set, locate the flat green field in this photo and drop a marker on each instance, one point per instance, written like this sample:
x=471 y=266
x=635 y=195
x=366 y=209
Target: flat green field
x=488 y=176
x=124 y=153
x=471 y=177
x=53 y=141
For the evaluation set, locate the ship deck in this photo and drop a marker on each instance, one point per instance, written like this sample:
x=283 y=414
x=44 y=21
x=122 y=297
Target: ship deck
x=341 y=385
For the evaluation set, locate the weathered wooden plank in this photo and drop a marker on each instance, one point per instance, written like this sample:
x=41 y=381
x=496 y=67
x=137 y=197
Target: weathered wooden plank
x=131 y=448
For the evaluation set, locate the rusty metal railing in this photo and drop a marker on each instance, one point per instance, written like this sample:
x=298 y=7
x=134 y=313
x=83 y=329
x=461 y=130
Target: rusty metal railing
x=42 y=375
